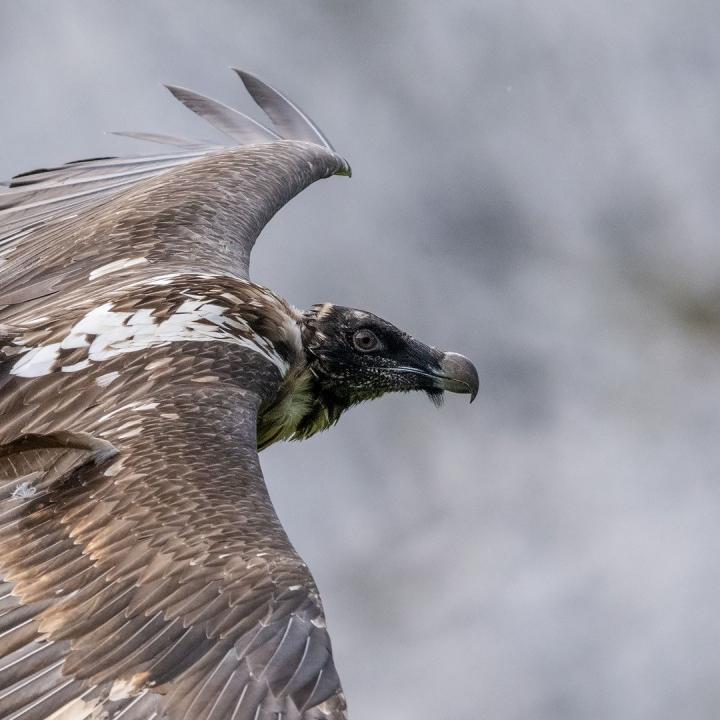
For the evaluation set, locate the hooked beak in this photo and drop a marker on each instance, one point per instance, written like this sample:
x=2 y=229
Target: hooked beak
x=438 y=371
x=457 y=374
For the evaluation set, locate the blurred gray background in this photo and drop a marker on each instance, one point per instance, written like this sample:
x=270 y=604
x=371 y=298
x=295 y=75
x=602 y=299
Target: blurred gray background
x=535 y=185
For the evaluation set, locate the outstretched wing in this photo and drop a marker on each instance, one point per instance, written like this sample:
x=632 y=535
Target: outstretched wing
x=198 y=209
x=143 y=571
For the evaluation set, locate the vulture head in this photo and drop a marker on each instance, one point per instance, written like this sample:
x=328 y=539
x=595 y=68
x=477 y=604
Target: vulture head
x=354 y=356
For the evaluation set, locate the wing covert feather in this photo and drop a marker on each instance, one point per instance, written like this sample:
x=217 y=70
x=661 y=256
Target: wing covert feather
x=155 y=571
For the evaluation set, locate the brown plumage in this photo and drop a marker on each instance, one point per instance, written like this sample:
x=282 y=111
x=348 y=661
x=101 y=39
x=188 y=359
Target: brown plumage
x=144 y=571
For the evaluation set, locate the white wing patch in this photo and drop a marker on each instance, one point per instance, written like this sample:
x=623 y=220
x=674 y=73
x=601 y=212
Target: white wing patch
x=77 y=709
x=116 y=332
x=36 y=361
x=107 y=378
x=74 y=367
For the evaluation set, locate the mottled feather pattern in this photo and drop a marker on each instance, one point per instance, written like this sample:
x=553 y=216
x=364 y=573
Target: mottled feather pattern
x=143 y=571
x=197 y=577
x=152 y=313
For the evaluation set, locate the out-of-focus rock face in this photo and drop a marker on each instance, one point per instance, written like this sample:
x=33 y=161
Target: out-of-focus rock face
x=536 y=186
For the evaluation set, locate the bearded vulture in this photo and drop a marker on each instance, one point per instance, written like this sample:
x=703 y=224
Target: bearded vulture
x=143 y=571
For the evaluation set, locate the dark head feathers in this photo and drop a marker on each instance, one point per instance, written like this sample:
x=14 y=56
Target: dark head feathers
x=356 y=356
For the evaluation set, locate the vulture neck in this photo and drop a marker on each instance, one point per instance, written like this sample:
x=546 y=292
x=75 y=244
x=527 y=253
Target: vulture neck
x=301 y=408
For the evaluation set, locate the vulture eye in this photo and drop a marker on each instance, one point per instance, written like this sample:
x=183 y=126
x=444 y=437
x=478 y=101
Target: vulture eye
x=365 y=341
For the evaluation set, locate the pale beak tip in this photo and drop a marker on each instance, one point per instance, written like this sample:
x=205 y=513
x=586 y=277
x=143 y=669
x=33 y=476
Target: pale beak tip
x=459 y=375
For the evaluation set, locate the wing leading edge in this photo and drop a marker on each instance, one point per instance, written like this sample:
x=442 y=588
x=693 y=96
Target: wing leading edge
x=198 y=208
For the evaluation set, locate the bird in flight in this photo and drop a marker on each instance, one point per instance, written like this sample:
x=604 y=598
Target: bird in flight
x=144 y=574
